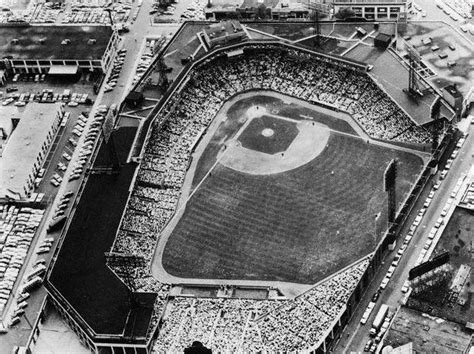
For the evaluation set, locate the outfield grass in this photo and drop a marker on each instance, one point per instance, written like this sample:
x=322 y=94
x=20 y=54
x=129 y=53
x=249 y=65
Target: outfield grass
x=297 y=226
x=274 y=105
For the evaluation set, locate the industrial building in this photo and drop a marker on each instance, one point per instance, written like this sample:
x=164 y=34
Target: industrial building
x=252 y=9
x=375 y=9
x=35 y=49
x=26 y=148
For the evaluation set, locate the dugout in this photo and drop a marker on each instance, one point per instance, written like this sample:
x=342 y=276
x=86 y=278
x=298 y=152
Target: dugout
x=382 y=41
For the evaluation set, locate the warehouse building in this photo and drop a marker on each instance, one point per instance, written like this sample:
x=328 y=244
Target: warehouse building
x=27 y=147
x=375 y=9
x=35 y=49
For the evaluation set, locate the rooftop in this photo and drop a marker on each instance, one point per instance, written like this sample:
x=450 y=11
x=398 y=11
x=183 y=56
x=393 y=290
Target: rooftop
x=248 y=4
x=24 y=144
x=223 y=5
x=393 y=77
x=223 y=29
x=44 y=42
x=80 y=275
x=428 y=334
x=453 y=91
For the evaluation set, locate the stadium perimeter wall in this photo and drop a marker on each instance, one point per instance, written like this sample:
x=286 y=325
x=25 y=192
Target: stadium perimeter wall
x=99 y=334
x=331 y=338
x=392 y=234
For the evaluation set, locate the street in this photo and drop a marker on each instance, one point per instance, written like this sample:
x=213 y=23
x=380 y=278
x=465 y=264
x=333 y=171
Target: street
x=392 y=295
x=133 y=42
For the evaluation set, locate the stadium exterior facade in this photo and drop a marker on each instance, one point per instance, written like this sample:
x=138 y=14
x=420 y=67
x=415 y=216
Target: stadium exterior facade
x=101 y=342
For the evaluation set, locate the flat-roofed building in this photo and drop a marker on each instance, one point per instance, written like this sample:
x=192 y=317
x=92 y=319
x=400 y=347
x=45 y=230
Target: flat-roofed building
x=375 y=9
x=454 y=97
x=9 y=118
x=268 y=9
x=27 y=147
x=223 y=33
x=35 y=49
x=427 y=334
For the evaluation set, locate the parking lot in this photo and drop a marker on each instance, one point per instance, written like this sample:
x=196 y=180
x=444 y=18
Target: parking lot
x=78 y=130
x=183 y=10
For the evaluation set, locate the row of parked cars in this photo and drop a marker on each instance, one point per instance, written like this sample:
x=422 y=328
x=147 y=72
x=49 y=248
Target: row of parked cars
x=44 y=96
x=17 y=230
x=32 y=281
x=116 y=69
x=89 y=142
x=146 y=58
x=372 y=343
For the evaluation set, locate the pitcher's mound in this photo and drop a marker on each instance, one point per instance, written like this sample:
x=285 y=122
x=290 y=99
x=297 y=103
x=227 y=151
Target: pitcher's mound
x=258 y=150
x=267 y=132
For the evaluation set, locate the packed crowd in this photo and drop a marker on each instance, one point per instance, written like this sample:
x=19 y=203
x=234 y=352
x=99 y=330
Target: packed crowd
x=17 y=229
x=247 y=325
x=223 y=324
x=168 y=152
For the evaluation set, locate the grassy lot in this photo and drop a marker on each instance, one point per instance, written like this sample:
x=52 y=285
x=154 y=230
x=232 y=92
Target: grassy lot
x=298 y=226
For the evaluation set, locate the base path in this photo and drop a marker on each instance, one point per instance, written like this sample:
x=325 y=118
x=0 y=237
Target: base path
x=309 y=143
x=278 y=199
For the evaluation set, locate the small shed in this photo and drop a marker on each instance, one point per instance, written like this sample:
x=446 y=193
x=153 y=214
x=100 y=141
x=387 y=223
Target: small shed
x=382 y=40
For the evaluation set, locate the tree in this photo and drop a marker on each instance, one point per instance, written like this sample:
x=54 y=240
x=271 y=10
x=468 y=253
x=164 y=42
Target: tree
x=344 y=13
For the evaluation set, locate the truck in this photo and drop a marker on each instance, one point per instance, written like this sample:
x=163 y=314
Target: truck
x=378 y=321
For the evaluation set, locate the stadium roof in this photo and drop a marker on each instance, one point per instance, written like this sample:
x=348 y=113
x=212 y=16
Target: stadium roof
x=80 y=277
x=393 y=77
x=23 y=146
x=44 y=42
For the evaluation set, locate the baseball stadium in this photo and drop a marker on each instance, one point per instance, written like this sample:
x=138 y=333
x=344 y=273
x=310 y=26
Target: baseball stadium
x=254 y=214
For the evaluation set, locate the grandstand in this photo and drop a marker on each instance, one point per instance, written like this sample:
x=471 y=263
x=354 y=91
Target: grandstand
x=196 y=217
x=291 y=217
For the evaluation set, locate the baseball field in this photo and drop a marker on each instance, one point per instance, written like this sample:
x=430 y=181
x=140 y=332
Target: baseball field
x=283 y=199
